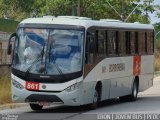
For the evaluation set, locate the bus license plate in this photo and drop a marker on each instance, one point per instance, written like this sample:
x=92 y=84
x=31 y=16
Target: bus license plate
x=32 y=86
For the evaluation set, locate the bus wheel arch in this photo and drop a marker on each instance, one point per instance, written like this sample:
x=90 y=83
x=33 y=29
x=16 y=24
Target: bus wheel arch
x=96 y=95
x=134 y=92
x=99 y=90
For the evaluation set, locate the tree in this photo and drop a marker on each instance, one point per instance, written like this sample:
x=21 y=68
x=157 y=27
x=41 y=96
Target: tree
x=58 y=7
x=96 y=9
x=19 y=9
x=116 y=9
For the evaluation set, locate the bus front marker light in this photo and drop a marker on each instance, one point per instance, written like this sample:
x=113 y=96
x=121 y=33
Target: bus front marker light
x=73 y=87
x=17 y=84
x=74 y=100
x=15 y=97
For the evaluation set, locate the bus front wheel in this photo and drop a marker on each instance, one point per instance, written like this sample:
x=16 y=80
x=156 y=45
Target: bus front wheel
x=95 y=100
x=36 y=106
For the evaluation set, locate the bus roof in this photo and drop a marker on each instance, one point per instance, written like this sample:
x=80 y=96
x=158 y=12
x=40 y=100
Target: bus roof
x=86 y=22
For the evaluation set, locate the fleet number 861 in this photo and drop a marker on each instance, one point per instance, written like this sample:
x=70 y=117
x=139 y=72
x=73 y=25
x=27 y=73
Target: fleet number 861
x=32 y=86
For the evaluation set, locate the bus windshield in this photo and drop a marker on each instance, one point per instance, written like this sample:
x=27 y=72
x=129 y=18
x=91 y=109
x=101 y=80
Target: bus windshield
x=48 y=51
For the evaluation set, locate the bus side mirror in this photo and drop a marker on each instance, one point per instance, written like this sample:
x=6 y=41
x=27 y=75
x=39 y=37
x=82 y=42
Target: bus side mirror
x=9 y=48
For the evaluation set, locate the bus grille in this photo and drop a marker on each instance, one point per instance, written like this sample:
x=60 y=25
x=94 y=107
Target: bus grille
x=46 y=98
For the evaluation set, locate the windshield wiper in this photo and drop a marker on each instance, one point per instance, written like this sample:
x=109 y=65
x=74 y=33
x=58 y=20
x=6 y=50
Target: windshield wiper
x=55 y=64
x=59 y=70
x=40 y=57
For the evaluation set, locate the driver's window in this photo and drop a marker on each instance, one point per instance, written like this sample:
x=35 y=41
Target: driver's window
x=90 y=51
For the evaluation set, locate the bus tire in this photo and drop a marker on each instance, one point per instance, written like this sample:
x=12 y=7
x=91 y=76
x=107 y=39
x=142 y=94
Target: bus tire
x=35 y=106
x=123 y=98
x=97 y=96
x=133 y=96
x=95 y=100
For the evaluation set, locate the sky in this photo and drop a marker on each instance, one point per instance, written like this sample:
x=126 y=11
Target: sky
x=153 y=17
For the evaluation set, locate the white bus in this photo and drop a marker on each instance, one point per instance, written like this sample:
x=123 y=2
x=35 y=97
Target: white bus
x=76 y=61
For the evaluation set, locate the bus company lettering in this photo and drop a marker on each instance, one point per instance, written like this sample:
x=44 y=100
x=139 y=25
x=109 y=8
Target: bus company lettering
x=116 y=67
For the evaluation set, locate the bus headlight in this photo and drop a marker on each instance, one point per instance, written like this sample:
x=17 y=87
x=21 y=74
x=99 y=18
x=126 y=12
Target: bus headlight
x=73 y=87
x=17 y=84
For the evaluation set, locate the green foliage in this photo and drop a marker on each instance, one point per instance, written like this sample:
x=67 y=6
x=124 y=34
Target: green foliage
x=58 y=7
x=5 y=90
x=20 y=9
x=96 y=9
x=158 y=10
x=8 y=25
x=5 y=85
x=158 y=44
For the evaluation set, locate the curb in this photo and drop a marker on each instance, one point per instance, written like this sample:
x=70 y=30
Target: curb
x=12 y=106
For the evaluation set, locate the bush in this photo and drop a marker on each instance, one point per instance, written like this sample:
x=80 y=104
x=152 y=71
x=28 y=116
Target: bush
x=157 y=61
x=8 y=25
x=5 y=90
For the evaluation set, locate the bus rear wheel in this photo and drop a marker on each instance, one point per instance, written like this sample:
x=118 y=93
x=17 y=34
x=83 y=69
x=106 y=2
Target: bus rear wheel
x=36 y=106
x=133 y=96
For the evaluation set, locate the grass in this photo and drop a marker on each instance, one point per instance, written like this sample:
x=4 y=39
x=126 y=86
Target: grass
x=157 y=62
x=8 y=25
x=5 y=90
x=5 y=86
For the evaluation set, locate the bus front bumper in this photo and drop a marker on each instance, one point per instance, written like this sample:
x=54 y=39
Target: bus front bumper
x=66 y=98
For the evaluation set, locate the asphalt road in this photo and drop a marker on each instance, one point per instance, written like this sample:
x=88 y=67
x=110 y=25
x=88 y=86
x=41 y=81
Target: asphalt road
x=148 y=102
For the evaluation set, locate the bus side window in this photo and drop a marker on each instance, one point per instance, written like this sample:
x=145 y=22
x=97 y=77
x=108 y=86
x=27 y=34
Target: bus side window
x=122 y=46
x=146 y=42
x=150 y=42
x=136 y=43
x=101 y=44
x=111 y=41
x=128 y=43
x=132 y=42
x=141 y=41
x=117 y=43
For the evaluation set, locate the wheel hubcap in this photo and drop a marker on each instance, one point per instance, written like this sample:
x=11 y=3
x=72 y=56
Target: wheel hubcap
x=135 y=90
x=95 y=99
